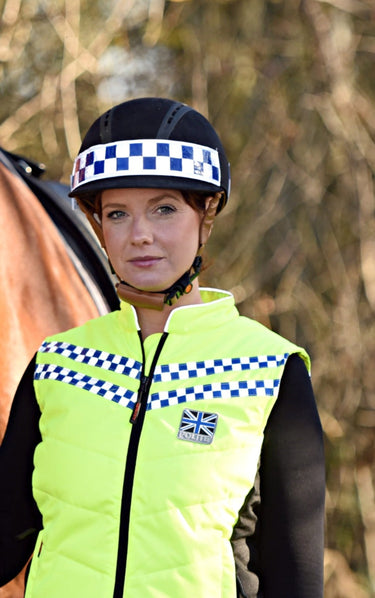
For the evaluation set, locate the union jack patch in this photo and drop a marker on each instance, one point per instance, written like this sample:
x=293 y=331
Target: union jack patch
x=197 y=426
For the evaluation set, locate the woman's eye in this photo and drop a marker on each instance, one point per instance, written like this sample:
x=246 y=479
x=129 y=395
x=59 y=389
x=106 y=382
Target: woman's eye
x=165 y=210
x=115 y=214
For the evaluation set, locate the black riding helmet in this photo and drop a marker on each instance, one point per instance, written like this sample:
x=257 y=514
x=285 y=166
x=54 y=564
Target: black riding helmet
x=151 y=142
x=155 y=143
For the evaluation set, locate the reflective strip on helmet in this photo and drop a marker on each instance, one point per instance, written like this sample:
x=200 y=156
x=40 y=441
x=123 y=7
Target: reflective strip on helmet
x=153 y=157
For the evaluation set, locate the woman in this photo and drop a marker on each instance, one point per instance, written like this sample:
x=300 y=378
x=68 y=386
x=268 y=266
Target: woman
x=177 y=446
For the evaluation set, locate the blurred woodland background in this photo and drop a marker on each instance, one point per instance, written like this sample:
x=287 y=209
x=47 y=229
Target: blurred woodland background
x=290 y=86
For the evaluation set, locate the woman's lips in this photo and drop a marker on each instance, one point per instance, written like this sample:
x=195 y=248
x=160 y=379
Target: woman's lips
x=145 y=261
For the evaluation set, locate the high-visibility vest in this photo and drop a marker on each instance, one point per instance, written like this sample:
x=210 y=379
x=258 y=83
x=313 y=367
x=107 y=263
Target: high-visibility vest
x=140 y=490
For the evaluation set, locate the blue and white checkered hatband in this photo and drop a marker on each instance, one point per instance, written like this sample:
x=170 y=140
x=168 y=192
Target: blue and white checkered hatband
x=147 y=157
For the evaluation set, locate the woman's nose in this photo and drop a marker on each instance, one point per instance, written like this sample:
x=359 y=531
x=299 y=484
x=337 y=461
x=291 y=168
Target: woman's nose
x=141 y=230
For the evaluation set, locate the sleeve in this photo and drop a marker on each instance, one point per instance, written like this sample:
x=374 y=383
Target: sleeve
x=278 y=542
x=20 y=519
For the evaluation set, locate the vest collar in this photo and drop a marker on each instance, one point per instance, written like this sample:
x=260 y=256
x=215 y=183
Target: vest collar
x=217 y=307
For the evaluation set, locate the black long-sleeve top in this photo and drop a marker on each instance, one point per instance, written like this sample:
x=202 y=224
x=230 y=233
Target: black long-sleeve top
x=279 y=537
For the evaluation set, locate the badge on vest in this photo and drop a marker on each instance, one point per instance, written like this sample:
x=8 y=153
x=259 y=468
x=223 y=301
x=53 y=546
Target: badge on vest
x=197 y=426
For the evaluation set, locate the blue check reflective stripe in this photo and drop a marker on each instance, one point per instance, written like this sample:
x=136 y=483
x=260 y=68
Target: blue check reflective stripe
x=102 y=359
x=165 y=157
x=196 y=369
x=163 y=373
x=102 y=388
x=216 y=390
x=127 y=398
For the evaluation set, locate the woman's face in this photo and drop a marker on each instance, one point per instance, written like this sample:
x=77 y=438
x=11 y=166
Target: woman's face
x=151 y=235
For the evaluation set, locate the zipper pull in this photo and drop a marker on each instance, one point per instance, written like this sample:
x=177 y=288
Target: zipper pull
x=135 y=412
x=142 y=392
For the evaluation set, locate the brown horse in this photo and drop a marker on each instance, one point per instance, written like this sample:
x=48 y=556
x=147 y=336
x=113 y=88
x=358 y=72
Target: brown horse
x=42 y=292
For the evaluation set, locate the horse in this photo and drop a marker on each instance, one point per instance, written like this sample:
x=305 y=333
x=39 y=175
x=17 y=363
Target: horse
x=54 y=276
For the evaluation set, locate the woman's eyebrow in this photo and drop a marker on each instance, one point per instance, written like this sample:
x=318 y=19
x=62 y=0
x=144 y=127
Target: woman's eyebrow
x=165 y=195
x=113 y=205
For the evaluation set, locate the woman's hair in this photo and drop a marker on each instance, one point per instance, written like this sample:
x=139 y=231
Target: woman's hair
x=196 y=199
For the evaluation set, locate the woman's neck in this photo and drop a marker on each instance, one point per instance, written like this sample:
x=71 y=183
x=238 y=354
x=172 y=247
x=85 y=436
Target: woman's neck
x=152 y=321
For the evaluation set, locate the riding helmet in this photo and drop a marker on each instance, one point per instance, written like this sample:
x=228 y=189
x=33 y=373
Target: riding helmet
x=151 y=142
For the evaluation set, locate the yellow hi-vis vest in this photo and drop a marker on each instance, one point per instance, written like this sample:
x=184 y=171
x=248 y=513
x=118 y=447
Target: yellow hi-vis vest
x=146 y=509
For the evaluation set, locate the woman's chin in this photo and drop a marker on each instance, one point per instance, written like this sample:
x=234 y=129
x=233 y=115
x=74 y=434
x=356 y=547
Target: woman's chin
x=150 y=285
x=148 y=288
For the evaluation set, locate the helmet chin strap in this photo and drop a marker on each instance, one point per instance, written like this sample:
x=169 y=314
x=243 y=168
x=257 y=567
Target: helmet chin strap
x=158 y=299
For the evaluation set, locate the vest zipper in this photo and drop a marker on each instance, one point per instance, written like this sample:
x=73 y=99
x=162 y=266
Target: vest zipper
x=136 y=419
x=141 y=397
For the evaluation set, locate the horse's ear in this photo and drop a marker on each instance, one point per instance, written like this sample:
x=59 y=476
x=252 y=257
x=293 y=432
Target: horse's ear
x=93 y=218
